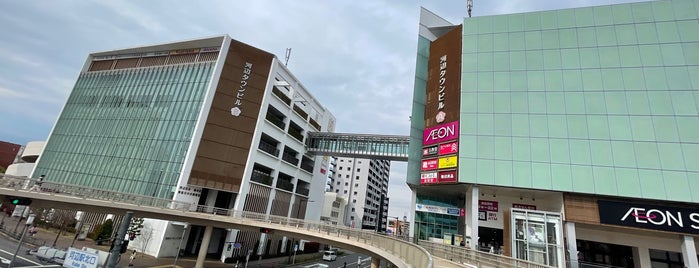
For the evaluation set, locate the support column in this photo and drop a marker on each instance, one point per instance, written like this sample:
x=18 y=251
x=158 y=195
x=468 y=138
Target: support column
x=204 y=248
x=572 y=244
x=689 y=252
x=474 y=217
x=641 y=257
x=375 y=262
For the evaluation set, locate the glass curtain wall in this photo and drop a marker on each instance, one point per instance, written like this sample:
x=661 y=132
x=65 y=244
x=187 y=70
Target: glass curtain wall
x=537 y=237
x=127 y=130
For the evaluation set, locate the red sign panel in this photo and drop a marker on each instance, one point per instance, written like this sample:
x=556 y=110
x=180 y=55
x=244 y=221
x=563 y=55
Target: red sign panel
x=485 y=205
x=428 y=178
x=430 y=164
x=447 y=176
x=449 y=148
x=524 y=206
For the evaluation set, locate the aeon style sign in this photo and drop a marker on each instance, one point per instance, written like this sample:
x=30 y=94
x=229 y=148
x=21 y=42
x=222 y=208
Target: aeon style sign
x=440 y=133
x=672 y=219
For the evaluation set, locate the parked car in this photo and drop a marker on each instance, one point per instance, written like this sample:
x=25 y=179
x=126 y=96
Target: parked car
x=329 y=255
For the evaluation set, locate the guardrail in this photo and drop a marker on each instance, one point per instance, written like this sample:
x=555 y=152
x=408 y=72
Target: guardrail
x=412 y=254
x=469 y=257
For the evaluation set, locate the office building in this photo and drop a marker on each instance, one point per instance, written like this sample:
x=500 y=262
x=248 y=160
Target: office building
x=364 y=184
x=209 y=121
x=561 y=136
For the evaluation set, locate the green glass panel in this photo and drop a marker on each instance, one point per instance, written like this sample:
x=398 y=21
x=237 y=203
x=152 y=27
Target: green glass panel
x=662 y=10
x=517 y=60
x=568 y=38
x=601 y=153
x=557 y=126
x=592 y=79
x=549 y=39
x=587 y=37
x=519 y=102
x=667 y=32
x=690 y=151
x=561 y=178
x=522 y=174
x=537 y=102
x=594 y=103
x=534 y=60
x=501 y=82
x=575 y=102
x=665 y=128
x=541 y=175
x=633 y=78
x=540 y=150
x=638 y=103
x=584 y=17
x=467 y=169
x=501 y=41
x=672 y=54
x=694 y=75
x=622 y=14
x=559 y=151
x=583 y=180
x=516 y=22
x=603 y=15
x=580 y=152
x=688 y=31
x=549 y=20
x=566 y=18
x=678 y=78
x=642 y=128
x=685 y=9
x=677 y=186
x=501 y=61
x=486 y=147
x=555 y=103
x=533 y=40
x=500 y=24
x=589 y=58
x=468 y=147
x=551 y=59
x=538 y=126
x=501 y=102
x=629 y=56
x=597 y=126
x=660 y=102
x=516 y=41
x=642 y=12
x=554 y=80
x=469 y=44
x=625 y=34
x=468 y=102
x=572 y=80
x=485 y=124
x=623 y=152
x=651 y=182
x=468 y=124
x=627 y=180
x=688 y=128
x=691 y=53
x=606 y=36
x=605 y=181
x=485 y=43
x=485 y=24
x=469 y=82
x=531 y=21
x=609 y=57
x=503 y=148
x=646 y=33
x=670 y=155
x=485 y=102
x=518 y=81
x=683 y=103
x=521 y=149
x=503 y=173
x=647 y=155
x=486 y=171
x=535 y=81
x=470 y=62
x=485 y=81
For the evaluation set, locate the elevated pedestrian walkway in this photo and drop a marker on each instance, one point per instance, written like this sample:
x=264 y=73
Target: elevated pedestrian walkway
x=388 y=147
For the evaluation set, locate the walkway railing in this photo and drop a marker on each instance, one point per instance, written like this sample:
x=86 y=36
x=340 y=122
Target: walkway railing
x=412 y=254
x=467 y=256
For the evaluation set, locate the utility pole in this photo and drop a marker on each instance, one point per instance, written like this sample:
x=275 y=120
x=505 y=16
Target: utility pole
x=119 y=240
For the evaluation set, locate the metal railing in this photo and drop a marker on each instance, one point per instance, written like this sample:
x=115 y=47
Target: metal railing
x=467 y=256
x=412 y=254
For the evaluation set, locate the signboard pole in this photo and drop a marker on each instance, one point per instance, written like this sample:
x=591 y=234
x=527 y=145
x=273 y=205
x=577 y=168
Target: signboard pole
x=115 y=253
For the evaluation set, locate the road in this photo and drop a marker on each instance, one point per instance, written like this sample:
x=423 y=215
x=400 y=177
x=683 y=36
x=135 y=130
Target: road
x=349 y=259
x=7 y=248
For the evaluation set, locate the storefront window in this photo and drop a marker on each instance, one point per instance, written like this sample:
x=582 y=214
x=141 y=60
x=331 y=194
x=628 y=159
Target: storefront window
x=537 y=237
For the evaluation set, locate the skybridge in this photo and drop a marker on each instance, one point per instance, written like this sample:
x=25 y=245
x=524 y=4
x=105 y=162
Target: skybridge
x=388 y=147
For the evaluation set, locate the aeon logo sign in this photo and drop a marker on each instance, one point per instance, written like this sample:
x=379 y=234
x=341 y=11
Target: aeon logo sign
x=440 y=133
x=673 y=219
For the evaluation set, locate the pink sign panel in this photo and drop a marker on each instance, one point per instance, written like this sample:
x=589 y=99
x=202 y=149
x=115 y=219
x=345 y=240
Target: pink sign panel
x=485 y=205
x=449 y=148
x=447 y=176
x=428 y=178
x=440 y=133
x=524 y=206
x=430 y=164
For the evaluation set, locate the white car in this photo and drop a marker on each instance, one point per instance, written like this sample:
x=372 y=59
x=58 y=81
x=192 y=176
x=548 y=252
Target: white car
x=329 y=255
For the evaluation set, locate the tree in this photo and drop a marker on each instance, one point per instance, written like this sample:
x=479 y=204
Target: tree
x=145 y=237
x=135 y=227
x=103 y=231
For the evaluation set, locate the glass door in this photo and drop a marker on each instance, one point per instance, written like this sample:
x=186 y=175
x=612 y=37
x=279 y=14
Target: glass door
x=537 y=237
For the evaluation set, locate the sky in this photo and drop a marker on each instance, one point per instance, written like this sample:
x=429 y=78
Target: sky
x=356 y=57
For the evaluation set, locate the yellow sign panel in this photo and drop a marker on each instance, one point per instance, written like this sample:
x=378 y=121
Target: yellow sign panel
x=448 y=162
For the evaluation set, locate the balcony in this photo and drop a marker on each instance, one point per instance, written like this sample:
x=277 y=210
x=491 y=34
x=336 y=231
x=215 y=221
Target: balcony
x=268 y=148
x=296 y=133
x=307 y=164
x=258 y=177
x=281 y=95
x=285 y=185
x=303 y=191
x=314 y=124
x=275 y=120
x=300 y=111
x=290 y=158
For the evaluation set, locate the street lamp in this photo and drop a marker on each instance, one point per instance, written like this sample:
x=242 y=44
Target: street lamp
x=29 y=221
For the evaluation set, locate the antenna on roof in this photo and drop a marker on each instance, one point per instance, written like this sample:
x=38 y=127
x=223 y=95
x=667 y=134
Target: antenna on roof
x=469 y=6
x=288 y=55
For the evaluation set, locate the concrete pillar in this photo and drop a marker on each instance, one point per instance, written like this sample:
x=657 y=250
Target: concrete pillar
x=572 y=244
x=641 y=257
x=375 y=262
x=474 y=218
x=204 y=246
x=689 y=252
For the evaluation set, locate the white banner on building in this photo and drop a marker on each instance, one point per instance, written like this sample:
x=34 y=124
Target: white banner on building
x=438 y=210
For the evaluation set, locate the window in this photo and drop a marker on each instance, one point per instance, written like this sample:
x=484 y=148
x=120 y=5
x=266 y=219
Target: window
x=340 y=168
x=346 y=184
x=351 y=217
x=355 y=192
x=357 y=177
x=359 y=169
x=337 y=191
x=345 y=191
x=347 y=176
x=354 y=201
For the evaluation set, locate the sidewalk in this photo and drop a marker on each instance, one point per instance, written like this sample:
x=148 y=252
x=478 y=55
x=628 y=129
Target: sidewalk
x=46 y=237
